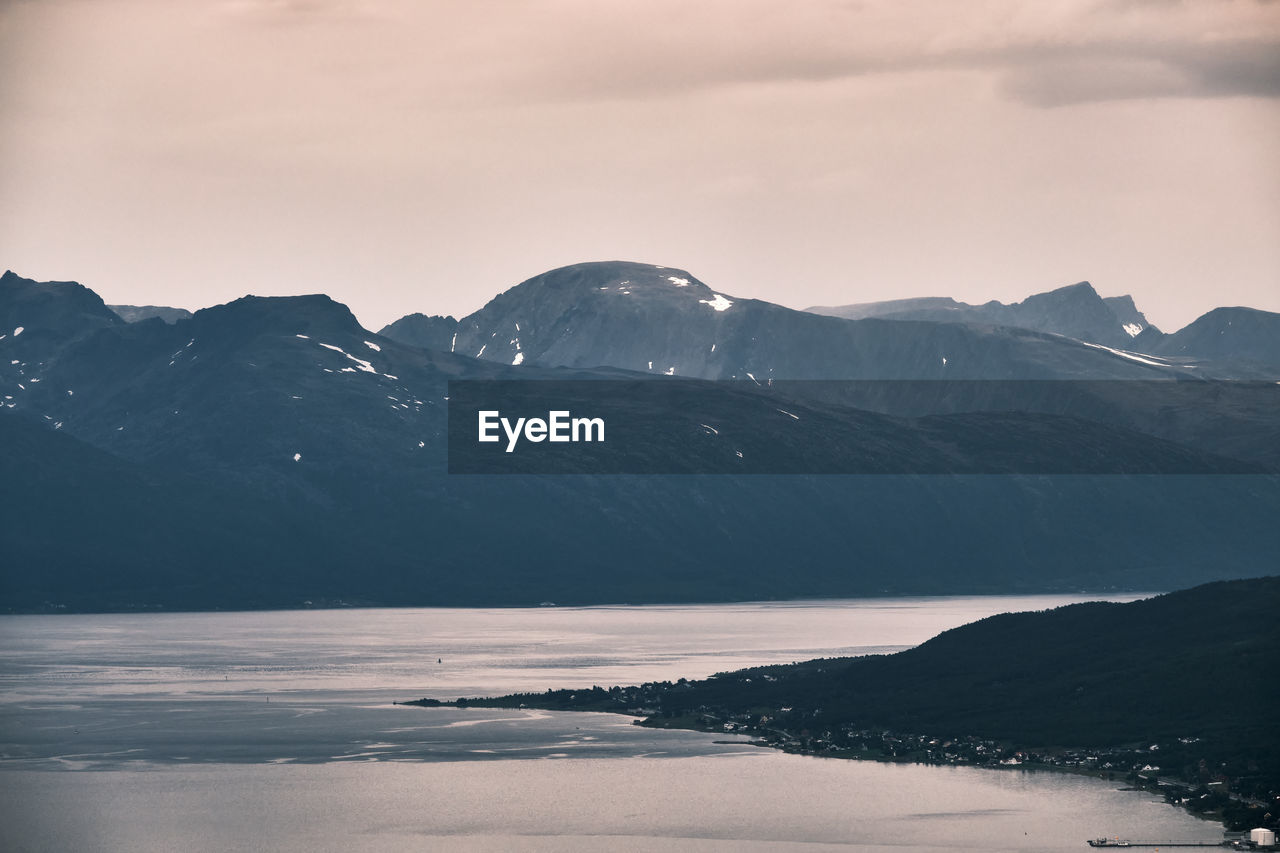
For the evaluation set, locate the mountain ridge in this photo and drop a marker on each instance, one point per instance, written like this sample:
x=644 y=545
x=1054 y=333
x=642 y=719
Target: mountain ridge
x=336 y=438
x=663 y=320
x=1074 y=310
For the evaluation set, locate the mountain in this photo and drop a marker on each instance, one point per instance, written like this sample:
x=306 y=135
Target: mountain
x=1076 y=311
x=664 y=321
x=661 y=320
x=1234 y=342
x=1125 y=311
x=1187 y=671
x=271 y=451
x=137 y=313
x=1244 y=336
x=38 y=318
x=419 y=330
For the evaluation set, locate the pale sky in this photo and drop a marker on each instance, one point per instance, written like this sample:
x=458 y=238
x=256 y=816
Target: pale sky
x=411 y=155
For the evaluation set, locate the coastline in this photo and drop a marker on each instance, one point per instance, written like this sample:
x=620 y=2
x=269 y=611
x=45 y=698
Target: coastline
x=798 y=743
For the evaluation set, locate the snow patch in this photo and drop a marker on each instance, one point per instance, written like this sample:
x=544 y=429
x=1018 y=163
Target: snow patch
x=481 y=351
x=710 y=429
x=739 y=452
x=453 y=342
x=297 y=457
x=1132 y=328
x=944 y=361
x=1129 y=355
x=70 y=393
x=718 y=302
x=752 y=378
x=364 y=365
x=788 y=414
x=422 y=444
x=518 y=359
x=304 y=337
x=671 y=371
x=713 y=347
x=371 y=345
x=19 y=331
x=678 y=282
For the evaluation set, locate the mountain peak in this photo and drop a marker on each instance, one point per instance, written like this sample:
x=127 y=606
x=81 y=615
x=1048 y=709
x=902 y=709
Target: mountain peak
x=60 y=307
x=1080 y=288
x=583 y=315
x=1228 y=333
x=620 y=276
x=419 y=330
x=282 y=314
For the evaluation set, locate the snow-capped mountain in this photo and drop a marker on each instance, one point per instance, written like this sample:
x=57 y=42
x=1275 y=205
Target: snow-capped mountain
x=271 y=451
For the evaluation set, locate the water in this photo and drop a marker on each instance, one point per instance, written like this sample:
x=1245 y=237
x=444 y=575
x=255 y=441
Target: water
x=276 y=731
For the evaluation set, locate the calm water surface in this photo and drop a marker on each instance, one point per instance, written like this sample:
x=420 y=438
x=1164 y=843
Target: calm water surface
x=275 y=731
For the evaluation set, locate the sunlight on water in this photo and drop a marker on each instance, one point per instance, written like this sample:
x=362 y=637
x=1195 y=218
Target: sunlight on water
x=249 y=731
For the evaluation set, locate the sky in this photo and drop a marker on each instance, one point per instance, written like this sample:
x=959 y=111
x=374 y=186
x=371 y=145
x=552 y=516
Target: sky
x=420 y=155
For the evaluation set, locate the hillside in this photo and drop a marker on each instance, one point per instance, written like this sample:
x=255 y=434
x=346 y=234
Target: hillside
x=1192 y=672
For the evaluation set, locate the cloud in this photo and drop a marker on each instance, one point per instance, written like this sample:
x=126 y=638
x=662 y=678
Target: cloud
x=359 y=54
x=1109 y=73
x=1045 y=54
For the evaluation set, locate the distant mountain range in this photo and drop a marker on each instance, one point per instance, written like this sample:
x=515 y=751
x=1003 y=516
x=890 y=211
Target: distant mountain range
x=662 y=320
x=1076 y=311
x=134 y=313
x=1239 y=339
x=271 y=452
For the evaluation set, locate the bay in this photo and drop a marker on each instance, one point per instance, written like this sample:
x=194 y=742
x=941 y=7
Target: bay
x=276 y=731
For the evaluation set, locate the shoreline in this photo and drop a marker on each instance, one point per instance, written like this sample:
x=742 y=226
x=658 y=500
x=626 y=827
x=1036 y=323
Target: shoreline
x=790 y=743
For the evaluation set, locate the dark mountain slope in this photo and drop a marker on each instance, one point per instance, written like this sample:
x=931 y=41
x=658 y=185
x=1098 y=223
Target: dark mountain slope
x=318 y=449
x=90 y=531
x=1192 y=671
x=36 y=318
x=1193 y=663
x=1228 y=335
